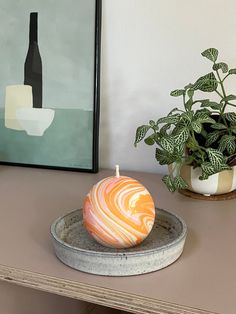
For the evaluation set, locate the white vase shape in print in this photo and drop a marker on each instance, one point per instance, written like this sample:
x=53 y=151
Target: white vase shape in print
x=35 y=120
x=17 y=96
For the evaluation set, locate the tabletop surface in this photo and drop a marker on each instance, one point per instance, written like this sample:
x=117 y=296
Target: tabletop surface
x=202 y=280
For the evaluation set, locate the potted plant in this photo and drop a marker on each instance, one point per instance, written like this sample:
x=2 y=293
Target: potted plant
x=198 y=140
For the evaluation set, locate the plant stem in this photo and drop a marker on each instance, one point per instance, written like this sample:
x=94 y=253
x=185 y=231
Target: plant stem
x=224 y=94
x=196 y=101
x=199 y=148
x=228 y=157
x=221 y=96
x=225 y=77
x=176 y=166
x=184 y=100
x=229 y=103
x=221 y=83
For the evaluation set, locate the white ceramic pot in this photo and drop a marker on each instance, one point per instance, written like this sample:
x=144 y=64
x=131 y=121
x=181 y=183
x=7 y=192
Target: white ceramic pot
x=35 y=120
x=219 y=183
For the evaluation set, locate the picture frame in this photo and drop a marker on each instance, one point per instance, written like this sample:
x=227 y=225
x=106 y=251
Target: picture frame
x=50 y=84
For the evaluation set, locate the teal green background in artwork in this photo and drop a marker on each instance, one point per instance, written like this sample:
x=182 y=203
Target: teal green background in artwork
x=59 y=146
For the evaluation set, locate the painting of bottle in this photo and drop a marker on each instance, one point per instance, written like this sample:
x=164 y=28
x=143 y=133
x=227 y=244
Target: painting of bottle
x=33 y=63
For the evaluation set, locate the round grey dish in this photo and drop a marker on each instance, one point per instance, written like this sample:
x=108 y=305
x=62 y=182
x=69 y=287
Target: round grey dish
x=77 y=249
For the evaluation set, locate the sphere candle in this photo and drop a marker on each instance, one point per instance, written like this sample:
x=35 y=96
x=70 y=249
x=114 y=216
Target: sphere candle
x=119 y=211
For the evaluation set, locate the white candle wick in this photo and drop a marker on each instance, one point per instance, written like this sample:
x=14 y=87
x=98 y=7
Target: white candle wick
x=117 y=171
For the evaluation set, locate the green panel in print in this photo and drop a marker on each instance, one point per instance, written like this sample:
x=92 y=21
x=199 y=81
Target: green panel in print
x=59 y=146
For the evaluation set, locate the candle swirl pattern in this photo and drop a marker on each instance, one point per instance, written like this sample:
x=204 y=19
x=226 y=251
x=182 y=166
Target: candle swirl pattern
x=119 y=212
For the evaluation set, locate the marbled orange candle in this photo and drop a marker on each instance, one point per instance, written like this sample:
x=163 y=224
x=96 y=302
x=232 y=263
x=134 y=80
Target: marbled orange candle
x=119 y=212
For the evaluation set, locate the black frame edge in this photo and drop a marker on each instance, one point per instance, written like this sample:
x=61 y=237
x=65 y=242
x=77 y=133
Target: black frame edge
x=97 y=72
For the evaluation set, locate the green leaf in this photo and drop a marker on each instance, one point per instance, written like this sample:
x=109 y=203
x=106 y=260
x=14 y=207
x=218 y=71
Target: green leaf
x=197 y=126
x=189 y=104
x=230 y=116
x=206 y=83
x=221 y=65
x=203 y=117
x=225 y=167
x=181 y=136
x=152 y=123
x=218 y=126
x=192 y=143
x=189 y=160
x=207 y=170
x=167 y=143
x=203 y=176
x=163 y=130
x=216 y=158
x=204 y=133
x=177 y=92
x=205 y=110
x=178 y=127
x=141 y=133
x=169 y=119
x=222 y=146
x=204 y=101
x=150 y=140
x=231 y=147
x=190 y=92
x=233 y=129
x=173 y=110
x=179 y=183
x=212 y=104
x=188 y=86
x=232 y=71
x=179 y=151
x=169 y=183
x=211 y=54
x=228 y=98
x=228 y=142
x=187 y=116
x=163 y=157
x=199 y=157
x=212 y=137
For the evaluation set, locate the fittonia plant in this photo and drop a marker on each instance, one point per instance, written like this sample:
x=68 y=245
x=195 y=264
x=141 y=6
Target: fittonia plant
x=202 y=136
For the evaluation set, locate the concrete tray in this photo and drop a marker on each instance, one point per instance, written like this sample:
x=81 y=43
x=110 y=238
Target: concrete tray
x=75 y=248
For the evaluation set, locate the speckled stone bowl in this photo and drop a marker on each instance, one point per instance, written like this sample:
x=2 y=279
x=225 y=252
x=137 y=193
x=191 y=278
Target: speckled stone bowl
x=77 y=249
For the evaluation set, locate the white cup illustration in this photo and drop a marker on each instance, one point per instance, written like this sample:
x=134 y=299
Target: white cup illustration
x=35 y=120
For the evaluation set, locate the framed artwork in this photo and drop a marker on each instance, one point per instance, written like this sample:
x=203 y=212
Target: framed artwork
x=49 y=83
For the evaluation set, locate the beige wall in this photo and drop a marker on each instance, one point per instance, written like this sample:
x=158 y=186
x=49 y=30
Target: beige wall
x=151 y=47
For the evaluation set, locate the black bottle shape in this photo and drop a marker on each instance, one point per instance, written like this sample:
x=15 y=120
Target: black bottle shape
x=33 y=63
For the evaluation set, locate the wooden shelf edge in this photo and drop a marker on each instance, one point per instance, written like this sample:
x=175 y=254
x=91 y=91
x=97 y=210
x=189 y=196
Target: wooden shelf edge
x=94 y=294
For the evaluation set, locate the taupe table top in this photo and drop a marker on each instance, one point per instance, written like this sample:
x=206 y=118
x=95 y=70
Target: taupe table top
x=202 y=281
